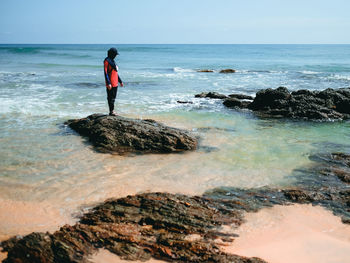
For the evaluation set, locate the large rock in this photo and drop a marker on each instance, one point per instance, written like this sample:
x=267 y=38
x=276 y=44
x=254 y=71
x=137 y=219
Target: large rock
x=122 y=135
x=329 y=104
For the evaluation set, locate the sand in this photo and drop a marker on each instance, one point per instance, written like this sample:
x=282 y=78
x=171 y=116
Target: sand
x=24 y=217
x=103 y=256
x=289 y=234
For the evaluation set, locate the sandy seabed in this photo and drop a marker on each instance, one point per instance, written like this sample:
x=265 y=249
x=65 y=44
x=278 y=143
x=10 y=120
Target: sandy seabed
x=296 y=233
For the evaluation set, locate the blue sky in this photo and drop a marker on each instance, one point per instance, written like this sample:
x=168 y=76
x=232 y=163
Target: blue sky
x=175 y=21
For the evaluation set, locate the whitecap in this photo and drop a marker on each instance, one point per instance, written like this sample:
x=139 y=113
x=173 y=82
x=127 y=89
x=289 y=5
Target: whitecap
x=182 y=70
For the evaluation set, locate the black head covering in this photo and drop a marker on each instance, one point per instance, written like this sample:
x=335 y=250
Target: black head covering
x=112 y=53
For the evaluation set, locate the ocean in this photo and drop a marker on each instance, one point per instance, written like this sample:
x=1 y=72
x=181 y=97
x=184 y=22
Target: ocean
x=48 y=173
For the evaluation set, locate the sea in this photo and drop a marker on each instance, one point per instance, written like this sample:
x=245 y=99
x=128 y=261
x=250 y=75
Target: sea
x=49 y=174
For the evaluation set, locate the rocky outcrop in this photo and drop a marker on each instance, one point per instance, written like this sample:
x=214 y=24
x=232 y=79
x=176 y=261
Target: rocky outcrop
x=329 y=104
x=122 y=135
x=164 y=226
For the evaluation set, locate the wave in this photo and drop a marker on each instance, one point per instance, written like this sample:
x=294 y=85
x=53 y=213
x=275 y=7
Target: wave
x=22 y=50
x=69 y=55
x=51 y=65
x=339 y=77
x=183 y=70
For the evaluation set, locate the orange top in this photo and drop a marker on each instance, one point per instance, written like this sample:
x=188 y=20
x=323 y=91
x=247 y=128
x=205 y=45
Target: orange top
x=111 y=75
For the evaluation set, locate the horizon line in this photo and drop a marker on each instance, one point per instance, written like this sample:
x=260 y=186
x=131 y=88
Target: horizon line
x=174 y=43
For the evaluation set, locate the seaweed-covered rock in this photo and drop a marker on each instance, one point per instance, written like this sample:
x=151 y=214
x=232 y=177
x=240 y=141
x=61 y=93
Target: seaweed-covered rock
x=122 y=135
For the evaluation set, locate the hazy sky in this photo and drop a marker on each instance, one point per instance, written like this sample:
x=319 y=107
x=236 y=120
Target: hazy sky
x=175 y=21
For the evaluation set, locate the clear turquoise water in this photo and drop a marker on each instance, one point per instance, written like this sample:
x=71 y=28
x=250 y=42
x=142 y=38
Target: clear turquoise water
x=41 y=86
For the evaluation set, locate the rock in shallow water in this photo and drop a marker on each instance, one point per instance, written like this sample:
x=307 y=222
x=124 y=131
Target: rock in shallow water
x=211 y=95
x=123 y=135
x=329 y=104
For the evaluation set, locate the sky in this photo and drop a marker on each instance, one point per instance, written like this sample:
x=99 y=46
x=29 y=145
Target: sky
x=175 y=21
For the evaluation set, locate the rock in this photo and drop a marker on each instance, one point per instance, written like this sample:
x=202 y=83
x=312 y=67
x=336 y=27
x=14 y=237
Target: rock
x=205 y=70
x=241 y=96
x=121 y=135
x=225 y=71
x=184 y=102
x=270 y=98
x=211 y=95
x=136 y=228
x=233 y=102
x=329 y=104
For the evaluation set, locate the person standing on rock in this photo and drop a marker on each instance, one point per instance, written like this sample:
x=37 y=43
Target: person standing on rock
x=111 y=78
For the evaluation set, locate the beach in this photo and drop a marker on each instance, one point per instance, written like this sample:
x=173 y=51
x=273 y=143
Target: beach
x=50 y=176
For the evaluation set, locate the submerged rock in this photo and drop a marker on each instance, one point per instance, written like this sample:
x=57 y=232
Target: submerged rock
x=123 y=135
x=329 y=104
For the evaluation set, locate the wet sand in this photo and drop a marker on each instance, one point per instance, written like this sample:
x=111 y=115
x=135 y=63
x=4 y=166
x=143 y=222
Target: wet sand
x=103 y=256
x=289 y=234
x=24 y=217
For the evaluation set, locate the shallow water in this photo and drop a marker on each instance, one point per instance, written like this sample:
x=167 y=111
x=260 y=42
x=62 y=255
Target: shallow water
x=43 y=162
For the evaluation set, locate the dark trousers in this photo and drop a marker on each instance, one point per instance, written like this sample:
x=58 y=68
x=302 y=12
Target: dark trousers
x=111 y=95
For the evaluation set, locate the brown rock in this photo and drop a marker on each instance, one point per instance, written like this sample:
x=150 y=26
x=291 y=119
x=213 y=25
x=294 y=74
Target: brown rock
x=121 y=135
x=225 y=71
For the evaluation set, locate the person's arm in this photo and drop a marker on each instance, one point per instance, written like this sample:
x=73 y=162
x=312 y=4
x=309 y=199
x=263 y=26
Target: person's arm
x=120 y=81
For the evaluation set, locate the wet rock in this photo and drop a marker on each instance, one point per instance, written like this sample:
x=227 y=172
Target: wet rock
x=137 y=228
x=340 y=167
x=329 y=104
x=121 y=135
x=241 y=96
x=233 y=102
x=184 y=102
x=225 y=71
x=211 y=95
